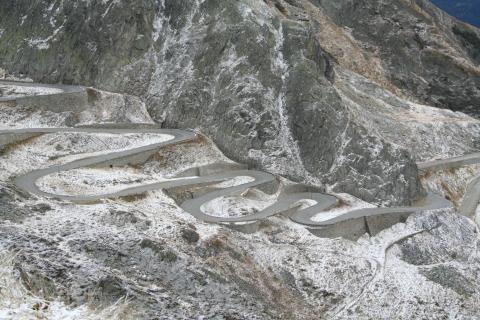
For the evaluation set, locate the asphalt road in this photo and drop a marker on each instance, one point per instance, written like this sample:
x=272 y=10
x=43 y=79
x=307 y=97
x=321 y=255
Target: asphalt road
x=288 y=202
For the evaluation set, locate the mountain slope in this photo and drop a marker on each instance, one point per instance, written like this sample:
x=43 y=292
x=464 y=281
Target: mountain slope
x=260 y=77
x=345 y=95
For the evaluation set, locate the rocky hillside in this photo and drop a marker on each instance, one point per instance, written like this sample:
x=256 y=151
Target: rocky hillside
x=264 y=79
x=144 y=257
x=345 y=95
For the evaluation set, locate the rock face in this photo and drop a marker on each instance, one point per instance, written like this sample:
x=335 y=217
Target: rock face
x=262 y=77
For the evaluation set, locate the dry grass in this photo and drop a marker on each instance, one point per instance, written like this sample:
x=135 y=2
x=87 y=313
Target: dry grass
x=279 y=6
x=14 y=145
x=347 y=51
x=199 y=141
x=17 y=303
x=451 y=194
x=134 y=197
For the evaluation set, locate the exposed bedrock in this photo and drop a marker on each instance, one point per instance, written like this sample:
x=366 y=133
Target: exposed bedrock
x=261 y=77
x=424 y=52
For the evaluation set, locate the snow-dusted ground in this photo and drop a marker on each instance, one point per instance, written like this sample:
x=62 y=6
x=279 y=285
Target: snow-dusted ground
x=59 y=148
x=426 y=132
x=106 y=107
x=249 y=202
x=17 y=118
x=391 y=275
x=17 y=303
x=451 y=183
x=12 y=91
x=347 y=203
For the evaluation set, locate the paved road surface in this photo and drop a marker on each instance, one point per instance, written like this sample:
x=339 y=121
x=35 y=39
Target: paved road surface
x=287 y=203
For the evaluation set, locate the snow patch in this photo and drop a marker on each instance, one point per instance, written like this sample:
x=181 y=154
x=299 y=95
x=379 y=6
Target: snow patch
x=349 y=203
x=17 y=303
x=59 y=148
x=250 y=202
x=43 y=44
x=12 y=91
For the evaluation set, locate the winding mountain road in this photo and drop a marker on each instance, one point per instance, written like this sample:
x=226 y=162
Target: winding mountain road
x=289 y=202
x=51 y=89
x=472 y=193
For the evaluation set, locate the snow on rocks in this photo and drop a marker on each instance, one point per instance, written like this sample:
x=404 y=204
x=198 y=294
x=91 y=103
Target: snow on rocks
x=137 y=247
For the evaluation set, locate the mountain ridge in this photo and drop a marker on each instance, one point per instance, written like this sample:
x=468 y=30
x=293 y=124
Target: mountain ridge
x=467 y=11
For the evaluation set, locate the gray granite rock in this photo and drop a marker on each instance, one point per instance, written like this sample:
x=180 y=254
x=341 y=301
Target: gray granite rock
x=258 y=76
